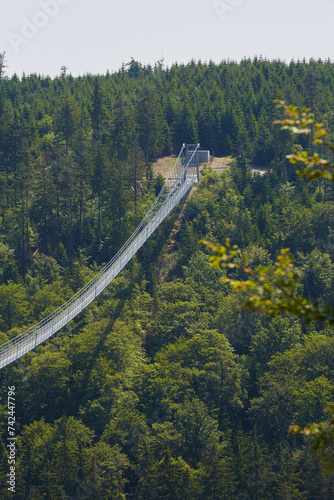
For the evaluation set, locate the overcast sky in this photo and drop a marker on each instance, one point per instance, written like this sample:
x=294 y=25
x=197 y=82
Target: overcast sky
x=41 y=36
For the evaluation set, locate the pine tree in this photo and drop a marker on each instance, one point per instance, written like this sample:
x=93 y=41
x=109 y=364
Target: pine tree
x=150 y=123
x=137 y=169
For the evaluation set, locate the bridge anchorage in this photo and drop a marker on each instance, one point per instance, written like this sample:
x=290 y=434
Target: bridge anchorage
x=184 y=174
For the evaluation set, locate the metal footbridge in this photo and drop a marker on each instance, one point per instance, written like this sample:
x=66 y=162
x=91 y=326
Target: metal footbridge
x=183 y=175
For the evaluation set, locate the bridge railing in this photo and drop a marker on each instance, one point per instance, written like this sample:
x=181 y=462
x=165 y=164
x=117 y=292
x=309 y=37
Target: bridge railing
x=176 y=186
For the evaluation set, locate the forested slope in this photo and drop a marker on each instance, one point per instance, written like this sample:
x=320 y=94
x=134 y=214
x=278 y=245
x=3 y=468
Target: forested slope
x=163 y=388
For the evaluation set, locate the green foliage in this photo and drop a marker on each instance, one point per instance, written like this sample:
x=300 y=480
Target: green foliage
x=165 y=388
x=277 y=336
x=273 y=295
x=279 y=294
x=52 y=457
x=13 y=305
x=170 y=478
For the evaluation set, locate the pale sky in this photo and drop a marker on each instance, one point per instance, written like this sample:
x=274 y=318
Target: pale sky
x=93 y=36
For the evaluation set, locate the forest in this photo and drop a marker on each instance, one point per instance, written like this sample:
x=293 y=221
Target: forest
x=164 y=388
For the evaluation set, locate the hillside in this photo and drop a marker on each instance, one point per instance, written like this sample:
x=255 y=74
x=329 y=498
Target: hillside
x=164 y=387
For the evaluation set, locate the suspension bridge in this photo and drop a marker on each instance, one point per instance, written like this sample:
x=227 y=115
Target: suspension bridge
x=184 y=174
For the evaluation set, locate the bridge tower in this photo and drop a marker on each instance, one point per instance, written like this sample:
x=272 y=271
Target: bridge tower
x=193 y=157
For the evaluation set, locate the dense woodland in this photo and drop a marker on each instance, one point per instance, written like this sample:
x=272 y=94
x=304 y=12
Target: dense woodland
x=164 y=388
